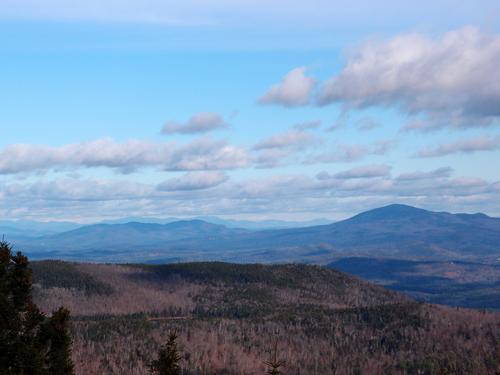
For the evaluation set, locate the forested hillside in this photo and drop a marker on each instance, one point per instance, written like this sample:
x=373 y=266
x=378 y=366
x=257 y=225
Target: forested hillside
x=229 y=317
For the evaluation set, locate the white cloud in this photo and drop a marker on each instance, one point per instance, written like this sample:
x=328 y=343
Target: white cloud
x=196 y=194
x=207 y=154
x=484 y=143
x=202 y=122
x=367 y=171
x=443 y=172
x=201 y=154
x=273 y=157
x=193 y=181
x=277 y=149
x=344 y=153
x=451 y=81
x=294 y=90
x=291 y=139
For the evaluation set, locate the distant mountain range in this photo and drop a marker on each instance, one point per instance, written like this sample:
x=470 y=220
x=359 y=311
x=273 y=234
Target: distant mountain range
x=395 y=231
x=22 y=229
x=15 y=229
x=244 y=224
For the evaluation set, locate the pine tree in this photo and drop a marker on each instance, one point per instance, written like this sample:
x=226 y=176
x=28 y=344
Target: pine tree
x=168 y=358
x=55 y=331
x=30 y=342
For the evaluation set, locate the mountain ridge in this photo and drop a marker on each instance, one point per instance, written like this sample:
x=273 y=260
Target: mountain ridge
x=396 y=230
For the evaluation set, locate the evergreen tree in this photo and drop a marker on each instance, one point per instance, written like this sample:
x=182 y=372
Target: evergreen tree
x=55 y=331
x=168 y=358
x=30 y=343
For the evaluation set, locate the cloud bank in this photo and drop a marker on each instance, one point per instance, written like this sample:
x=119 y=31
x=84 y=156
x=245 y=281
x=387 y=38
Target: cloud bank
x=196 y=193
x=200 y=154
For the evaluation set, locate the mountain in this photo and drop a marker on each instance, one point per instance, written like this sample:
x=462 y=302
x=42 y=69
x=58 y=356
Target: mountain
x=139 y=219
x=244 y=224
x=264 y=224
x=230 y=316
x=14 y=230
x=399 y=231
x=396 y=231
x=136 y=236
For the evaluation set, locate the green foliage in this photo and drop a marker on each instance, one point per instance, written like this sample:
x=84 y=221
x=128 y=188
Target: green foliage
x=168 y=358
x=59 y=274
x=30 y=343
x=55 y=331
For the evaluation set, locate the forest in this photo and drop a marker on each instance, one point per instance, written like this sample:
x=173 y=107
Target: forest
x=232 y=319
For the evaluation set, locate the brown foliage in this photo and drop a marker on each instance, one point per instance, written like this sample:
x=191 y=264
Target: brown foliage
x=325 y=323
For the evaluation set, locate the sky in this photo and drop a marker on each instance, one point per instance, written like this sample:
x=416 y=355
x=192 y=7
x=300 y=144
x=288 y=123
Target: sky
x=247 y=109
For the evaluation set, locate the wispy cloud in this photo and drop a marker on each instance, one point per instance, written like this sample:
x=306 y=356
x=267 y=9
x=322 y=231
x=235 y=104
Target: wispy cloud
x=347 y=153
x=193 y=181
x=277 y=149
x=367 y=171
x=202 y=122
x=468 y=146
x=292 y=139
x=443 y=172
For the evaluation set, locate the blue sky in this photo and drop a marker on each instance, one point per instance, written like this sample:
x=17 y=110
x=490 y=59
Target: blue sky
x=293 y=110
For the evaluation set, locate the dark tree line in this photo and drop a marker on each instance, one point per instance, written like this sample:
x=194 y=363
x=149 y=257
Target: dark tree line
x=30 y=342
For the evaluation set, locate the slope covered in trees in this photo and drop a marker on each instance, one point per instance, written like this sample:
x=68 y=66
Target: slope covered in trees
x=230 y=317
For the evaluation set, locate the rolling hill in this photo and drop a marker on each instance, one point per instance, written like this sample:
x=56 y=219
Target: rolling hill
x=229 y=317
